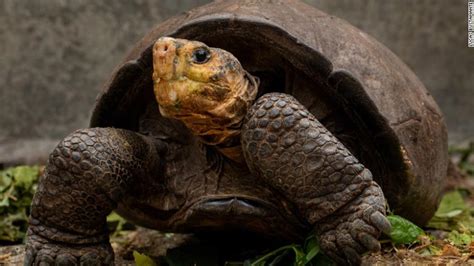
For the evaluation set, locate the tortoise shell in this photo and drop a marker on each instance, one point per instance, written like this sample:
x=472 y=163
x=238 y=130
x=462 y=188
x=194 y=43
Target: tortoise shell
x=362 y=92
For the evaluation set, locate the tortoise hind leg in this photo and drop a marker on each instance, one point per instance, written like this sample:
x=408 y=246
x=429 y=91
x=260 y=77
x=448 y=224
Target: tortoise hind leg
x=291 y=151
x=86 y=175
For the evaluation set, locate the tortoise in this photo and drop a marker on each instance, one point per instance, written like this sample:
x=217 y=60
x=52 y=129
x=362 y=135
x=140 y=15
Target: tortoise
x=297 y=121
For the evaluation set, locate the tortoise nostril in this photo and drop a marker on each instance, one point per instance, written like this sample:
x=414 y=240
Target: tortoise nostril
x=163 y=49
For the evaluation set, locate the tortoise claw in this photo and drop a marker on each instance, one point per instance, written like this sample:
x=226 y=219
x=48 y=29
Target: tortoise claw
x=65 y=260
x=381 y=222
x=369 y=242
x=351 y=255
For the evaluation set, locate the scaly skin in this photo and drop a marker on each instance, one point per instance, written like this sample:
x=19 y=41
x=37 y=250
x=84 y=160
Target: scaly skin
x=286 y=146
x=208 y=90
x=87 y=174
x=281 y=141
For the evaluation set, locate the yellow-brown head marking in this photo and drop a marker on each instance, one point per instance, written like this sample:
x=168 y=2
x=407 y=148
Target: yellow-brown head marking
x=204 y=87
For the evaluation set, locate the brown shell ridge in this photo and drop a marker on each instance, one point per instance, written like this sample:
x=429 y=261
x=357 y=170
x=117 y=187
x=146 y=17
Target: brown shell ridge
x=117 y=91
x=363 y=110
x=314 y=59
x=125 y=76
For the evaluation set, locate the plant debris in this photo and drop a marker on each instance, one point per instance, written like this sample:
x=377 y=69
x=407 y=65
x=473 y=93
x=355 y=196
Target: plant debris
x=17 y=187
x=447 y=239
x=404 y=231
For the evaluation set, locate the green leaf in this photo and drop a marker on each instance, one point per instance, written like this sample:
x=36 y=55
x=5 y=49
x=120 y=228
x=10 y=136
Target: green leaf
x=403 y=231
x=452 y=204
x=17 y=187
x=5 y=197
x=430 y=250
x=465 y=154
x=311 y=248
x=115 y=223
x=452 y=214
x=25 y=176
x=5 y=181
x=460 y=239
x=9 y=227
x=300 y=256
x=143 y=260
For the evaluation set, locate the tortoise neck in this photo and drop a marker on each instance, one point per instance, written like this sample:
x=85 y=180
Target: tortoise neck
x=233 y=152
x=223 y=126
x=227 y=138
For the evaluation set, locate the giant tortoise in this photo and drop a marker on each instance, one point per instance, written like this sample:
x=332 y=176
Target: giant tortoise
x=295 y=121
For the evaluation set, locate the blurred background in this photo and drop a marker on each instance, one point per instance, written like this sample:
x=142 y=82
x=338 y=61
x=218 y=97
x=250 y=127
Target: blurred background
x=55 y=55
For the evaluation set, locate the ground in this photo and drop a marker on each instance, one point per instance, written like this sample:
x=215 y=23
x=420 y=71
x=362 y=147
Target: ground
x=447 y=240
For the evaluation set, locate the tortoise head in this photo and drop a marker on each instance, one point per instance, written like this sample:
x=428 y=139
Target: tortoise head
x=204 y=87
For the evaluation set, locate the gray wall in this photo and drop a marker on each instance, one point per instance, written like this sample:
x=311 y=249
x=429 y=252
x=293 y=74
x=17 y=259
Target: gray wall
x=55 y=54
x=430 y=36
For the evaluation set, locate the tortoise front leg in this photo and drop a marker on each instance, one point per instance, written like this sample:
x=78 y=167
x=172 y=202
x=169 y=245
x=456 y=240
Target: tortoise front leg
x=286 y=146
x=86 y=175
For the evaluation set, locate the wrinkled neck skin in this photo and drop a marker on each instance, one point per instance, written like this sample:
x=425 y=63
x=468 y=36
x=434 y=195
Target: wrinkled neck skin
x=230 y=133
x=220 y=124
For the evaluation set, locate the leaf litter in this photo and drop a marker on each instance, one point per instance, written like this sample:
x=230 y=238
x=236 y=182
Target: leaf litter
x=447 y=239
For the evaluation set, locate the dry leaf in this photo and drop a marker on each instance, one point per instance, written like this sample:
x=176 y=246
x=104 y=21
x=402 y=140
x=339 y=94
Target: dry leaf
x=450 y=250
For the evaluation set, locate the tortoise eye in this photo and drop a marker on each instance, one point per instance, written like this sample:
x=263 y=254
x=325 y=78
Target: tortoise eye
x=201 y=55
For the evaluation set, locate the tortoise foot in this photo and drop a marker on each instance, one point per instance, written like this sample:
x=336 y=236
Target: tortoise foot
x=42 y=251
x=354 y=229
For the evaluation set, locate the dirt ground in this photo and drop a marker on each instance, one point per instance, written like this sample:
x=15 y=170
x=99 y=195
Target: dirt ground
x=156 y=244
